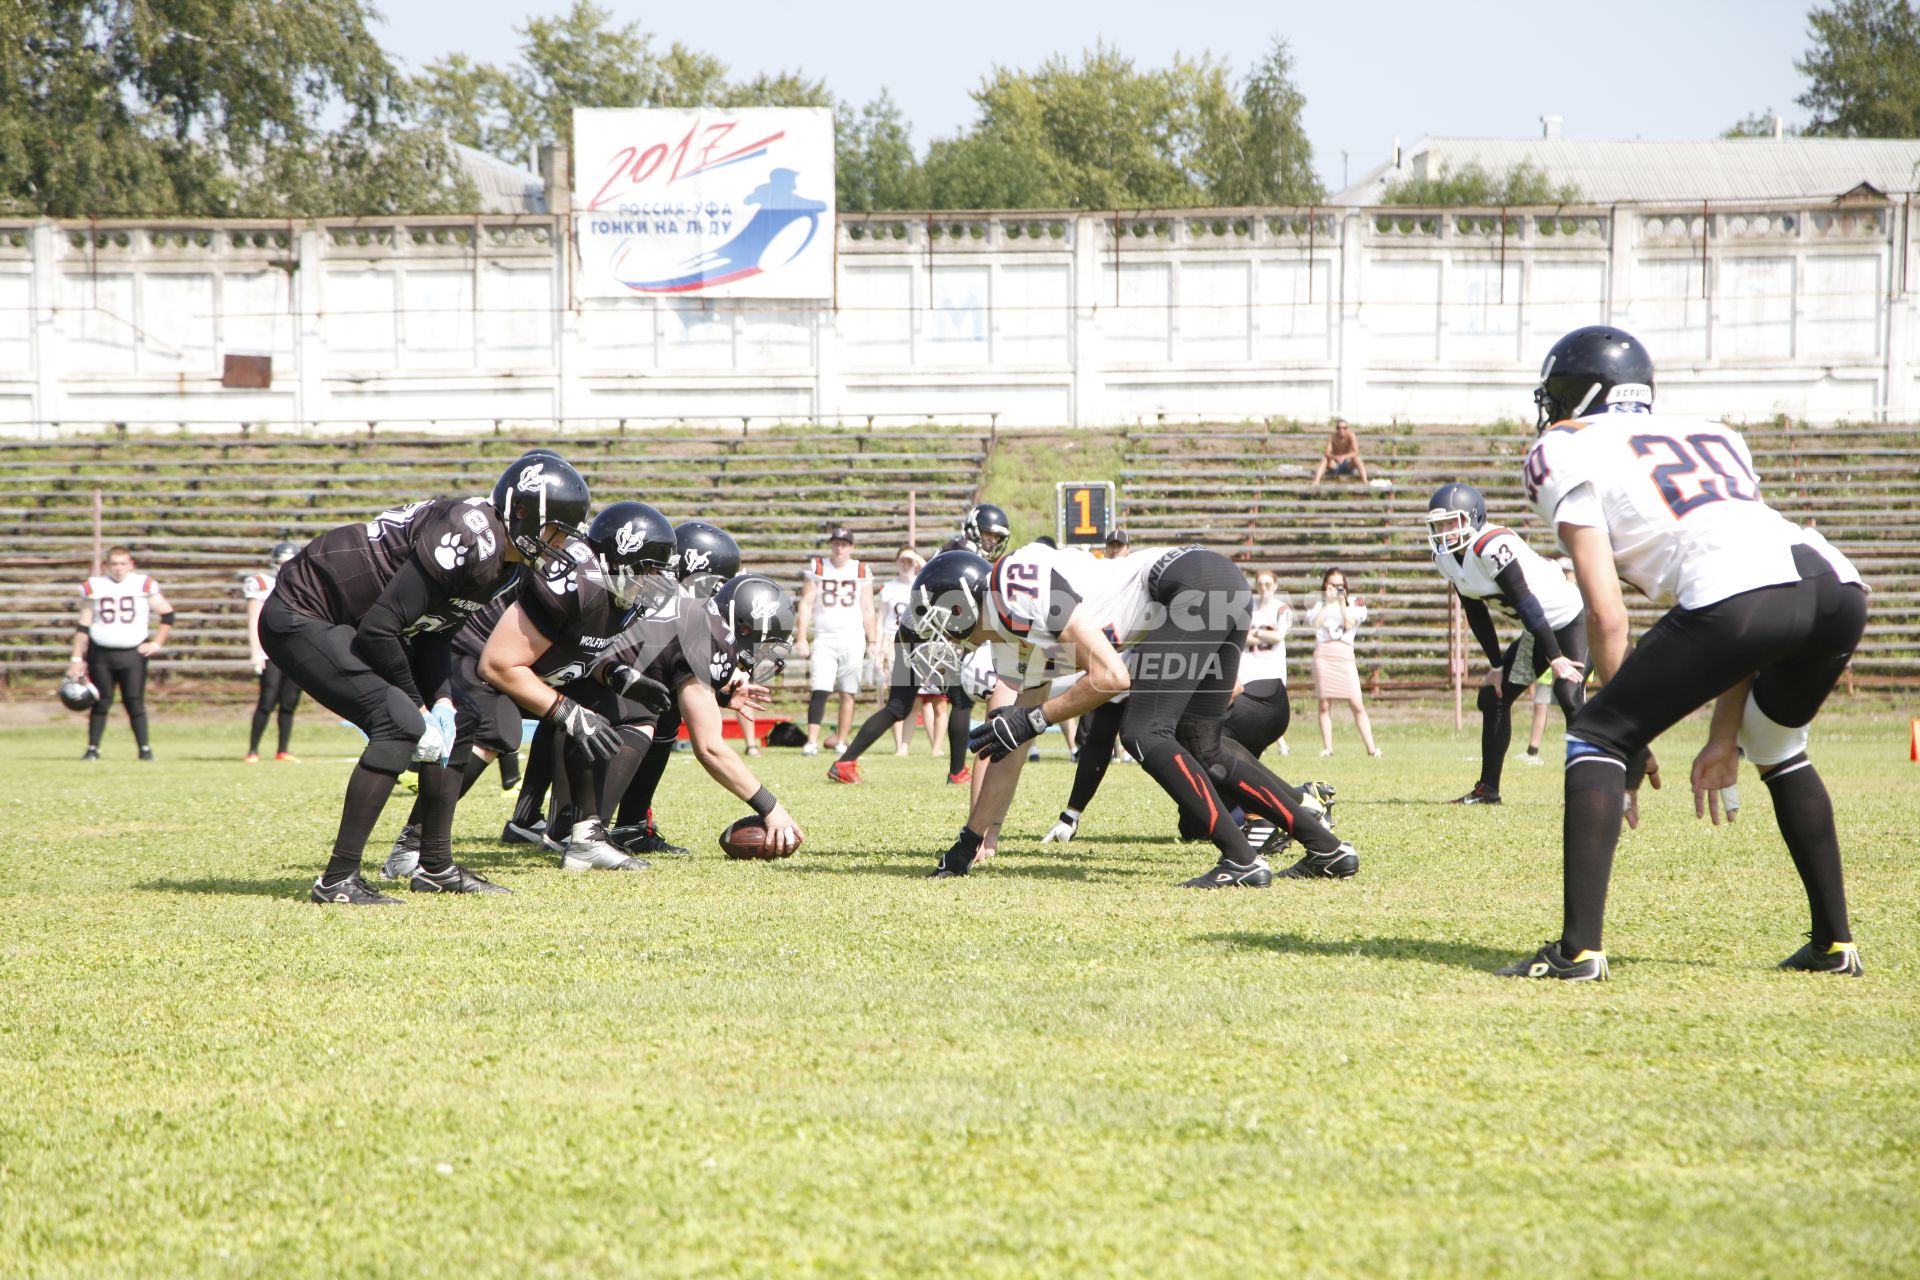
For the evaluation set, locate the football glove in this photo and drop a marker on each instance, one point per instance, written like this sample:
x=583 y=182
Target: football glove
x=958 y=860
x=589 y=729
x=1063 y=830
x=432 y=747
x=1004 y=729
x=630 y=682
x=444 y=715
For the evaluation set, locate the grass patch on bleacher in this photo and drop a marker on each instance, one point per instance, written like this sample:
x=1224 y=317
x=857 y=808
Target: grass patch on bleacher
x=1025 y=468
x=1063 y=1065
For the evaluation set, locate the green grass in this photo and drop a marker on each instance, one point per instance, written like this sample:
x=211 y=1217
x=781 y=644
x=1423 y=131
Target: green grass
x=1021 y=473
x=1063 y=1065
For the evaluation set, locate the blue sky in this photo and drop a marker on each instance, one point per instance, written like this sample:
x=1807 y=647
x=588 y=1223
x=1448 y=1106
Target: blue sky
x=1370 y=70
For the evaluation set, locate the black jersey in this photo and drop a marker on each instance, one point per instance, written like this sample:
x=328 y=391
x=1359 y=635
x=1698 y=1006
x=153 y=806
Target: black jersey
x=458 y=545
x=471 y=639
x=686 y=640
x=577 y=613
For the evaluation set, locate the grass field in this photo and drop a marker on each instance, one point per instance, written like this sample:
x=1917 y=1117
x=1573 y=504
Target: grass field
x=1063 y=1065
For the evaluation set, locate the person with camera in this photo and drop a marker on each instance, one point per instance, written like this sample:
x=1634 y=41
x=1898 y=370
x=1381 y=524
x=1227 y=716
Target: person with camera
x=1336 y=676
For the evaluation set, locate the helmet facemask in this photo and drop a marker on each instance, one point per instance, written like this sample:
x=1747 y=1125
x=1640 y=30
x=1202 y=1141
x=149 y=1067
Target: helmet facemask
x=764 y=660
x=936 y=663
x=1449 y=529
x=643 y=585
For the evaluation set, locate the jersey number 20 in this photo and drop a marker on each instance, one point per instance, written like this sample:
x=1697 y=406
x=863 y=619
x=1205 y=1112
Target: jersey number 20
x=1693 y=473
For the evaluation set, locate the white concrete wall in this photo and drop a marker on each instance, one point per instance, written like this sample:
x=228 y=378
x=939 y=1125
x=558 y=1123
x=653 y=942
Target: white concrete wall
x=1032 y=318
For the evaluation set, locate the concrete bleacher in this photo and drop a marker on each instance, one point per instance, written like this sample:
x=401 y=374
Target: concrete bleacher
x=201 y=512
x=1248 y=488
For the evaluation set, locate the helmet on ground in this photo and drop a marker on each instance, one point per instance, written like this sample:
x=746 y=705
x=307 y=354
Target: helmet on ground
x=633 y=545
x=988 y=528
x=705 y=557
x=945 y=604
x=1590 y=369
x=1457 y=510
x=78 y=693
x=536 y=496
x=760 y=613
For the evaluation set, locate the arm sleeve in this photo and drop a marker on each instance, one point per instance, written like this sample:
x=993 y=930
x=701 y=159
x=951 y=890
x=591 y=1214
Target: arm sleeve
x=378 y=640
x=1514 y=589
x=432 y=664
x=1480 y=622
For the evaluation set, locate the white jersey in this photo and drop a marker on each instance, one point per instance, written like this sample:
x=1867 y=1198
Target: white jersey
x=836 y=602
x=258 y=586
x=1679 y=500
x=1327 y=623
x=1268 y=662
x=893 y=607
x=1476 y=572
x=121 y=616
x=1037 y=590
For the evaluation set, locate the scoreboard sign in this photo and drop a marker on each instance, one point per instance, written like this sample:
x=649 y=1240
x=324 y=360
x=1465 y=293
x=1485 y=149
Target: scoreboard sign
x=1083 y=512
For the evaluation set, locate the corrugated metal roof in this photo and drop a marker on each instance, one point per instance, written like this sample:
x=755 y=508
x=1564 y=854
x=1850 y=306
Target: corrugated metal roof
x=1613 y=170
x=503 y=187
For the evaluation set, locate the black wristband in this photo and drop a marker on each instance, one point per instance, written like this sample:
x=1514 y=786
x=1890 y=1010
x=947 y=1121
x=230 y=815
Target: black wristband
x=557 y=710
x=762 y=802
x=166 y=619
x=82 y=631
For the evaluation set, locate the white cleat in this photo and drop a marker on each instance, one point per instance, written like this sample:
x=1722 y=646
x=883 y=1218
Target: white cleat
x=811 y=749
x=589 y=849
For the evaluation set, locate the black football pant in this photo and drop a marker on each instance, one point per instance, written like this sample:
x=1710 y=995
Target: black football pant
x=1795 y=639
x=1183 y=672
x=635 y=800
x=1520 y=666
x=1259 y=716
x=581 y=788
x=277 y=693
x=126 y=668
x=320 y=658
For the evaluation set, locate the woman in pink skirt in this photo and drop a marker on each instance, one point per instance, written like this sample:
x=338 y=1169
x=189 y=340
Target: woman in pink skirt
x=1336 y=676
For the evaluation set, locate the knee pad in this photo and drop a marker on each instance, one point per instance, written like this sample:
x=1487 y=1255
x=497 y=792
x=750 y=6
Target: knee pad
x=1767 y=742
x=1488 y=701
x=462 y=754
x=388 y=755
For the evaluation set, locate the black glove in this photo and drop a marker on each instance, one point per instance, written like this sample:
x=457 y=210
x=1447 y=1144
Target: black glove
x=958 y=860
x=587 y=727
x=1004 y=729
x=630 y=682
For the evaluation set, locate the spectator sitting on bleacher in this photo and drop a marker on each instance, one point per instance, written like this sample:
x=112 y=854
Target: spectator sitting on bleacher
x=1342 y=455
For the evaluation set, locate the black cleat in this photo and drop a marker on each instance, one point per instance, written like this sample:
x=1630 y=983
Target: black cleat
x=1551 y=962
x=1342 y=864
x=1839 y=957
x=91 y=757
x=942 y=873
x=533 y=833
x=351 y=891
x=455 y=879
x=1318 y=796
x=1481 y=794
x=643 y=837
x=146 y=753
x=1233 y=875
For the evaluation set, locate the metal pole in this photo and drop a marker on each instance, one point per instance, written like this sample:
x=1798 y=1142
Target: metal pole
x=1456 y=660
x=96 y=532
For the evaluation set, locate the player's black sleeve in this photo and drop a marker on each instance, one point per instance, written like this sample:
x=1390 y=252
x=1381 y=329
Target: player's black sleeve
x=1514 y=590
x=1480 y=622
x=379 y=638
x=433 y=665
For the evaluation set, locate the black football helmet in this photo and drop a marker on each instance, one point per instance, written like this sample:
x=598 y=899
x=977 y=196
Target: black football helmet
x=77 y=693
x=1457 y=510
x=945 y=604
x=760 y=613
x=536 y=495
x=987 y=528
x=960 y=542
x=633 y=545
x=1589 y=370
x=706 y=556
x=281 y=553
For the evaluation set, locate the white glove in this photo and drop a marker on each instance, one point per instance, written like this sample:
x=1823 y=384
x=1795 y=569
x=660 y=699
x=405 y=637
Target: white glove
x=433 y=745
x=444 y=715
x=1730 y=802
x=1063 y=830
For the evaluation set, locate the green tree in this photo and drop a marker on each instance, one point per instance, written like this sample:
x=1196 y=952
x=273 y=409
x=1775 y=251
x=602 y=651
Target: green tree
x=1865 y=70
x=874 y=164
x=144 y=107
x=1272 y=161
x=1757 y=125
x=1471 y=184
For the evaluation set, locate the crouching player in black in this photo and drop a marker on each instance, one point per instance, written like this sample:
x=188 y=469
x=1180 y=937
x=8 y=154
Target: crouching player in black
x=1488 y=562
x=1180 y=614
x=362 y=620
x=724 y=652
x=545 y=644
x=1764 y=617
x=705 y=558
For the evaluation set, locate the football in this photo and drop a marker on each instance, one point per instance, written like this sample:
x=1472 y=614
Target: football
x=747 y=838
